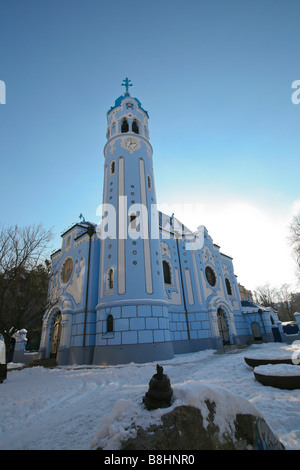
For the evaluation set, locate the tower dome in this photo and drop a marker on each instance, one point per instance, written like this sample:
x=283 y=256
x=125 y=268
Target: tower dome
x=125 y=95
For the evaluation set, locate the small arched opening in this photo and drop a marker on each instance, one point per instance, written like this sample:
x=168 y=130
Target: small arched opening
x=167 y=273
x=110 y=324
x=112 y=167
x=135 y=127
x=110 y=278
x=124 y=127
x=228 y=286
x=133 y=221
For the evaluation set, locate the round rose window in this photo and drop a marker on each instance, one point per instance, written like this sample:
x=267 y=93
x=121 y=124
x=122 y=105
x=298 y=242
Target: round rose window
x=210 y=276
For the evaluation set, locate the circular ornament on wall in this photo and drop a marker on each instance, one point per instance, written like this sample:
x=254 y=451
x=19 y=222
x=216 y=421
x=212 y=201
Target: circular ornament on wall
x=210 y=276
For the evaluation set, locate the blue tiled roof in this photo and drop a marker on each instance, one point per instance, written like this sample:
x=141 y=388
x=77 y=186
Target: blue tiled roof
x=247 y=303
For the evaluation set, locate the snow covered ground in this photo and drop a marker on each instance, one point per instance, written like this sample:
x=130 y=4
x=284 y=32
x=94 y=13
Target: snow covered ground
x=74 y=407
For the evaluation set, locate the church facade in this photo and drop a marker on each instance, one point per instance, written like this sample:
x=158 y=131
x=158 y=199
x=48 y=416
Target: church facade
x=140 y=286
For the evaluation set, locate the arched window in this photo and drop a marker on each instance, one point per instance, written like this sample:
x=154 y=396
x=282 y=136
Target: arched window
x=256 y=331
x=112 y=167
x=110 y=324
x=167 y=273
x=125 y=126
x=228 y=286
x=135 y=127
x=149 y=182
x=133 y=221
x=110 y=278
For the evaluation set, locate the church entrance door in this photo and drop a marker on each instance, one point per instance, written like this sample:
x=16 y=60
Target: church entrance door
x=223 y=326
x=56 y=334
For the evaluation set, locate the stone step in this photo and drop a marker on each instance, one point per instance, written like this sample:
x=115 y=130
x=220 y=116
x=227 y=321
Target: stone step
x=230 y=347
x=49 y=362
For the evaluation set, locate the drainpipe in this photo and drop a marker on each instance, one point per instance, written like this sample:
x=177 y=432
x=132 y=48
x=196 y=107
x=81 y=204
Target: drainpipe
x=260 y=313
x=182 y=286
x=90 y=231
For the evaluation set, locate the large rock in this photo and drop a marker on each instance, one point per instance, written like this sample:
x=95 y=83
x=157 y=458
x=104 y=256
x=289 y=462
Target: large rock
x=183 y=429
x=201 y=417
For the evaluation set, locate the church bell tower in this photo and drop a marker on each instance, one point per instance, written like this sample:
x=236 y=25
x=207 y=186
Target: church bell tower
x=132 y=312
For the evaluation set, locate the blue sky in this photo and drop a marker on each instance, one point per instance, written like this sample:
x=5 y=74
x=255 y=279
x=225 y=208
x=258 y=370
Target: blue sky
x=215 y=77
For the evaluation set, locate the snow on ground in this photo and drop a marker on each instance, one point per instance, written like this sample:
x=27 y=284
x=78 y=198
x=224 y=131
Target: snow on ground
x=285 y=370
x=74 y=407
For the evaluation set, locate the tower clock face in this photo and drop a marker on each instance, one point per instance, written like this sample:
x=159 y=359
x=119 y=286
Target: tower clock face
x=130 y=144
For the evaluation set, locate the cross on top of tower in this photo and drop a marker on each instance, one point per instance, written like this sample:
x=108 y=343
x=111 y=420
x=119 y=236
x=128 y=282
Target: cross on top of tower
x=127 y=84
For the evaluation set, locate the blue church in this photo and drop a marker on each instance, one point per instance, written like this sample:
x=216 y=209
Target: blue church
x=140 y=286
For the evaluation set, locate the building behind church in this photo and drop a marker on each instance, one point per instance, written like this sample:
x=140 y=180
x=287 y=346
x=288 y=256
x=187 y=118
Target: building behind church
x=141 y=286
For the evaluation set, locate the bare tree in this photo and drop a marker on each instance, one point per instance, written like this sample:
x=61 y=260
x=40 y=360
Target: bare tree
x=286 y=307
x=24 y=277
x=266 y=296
x=280 y=299
x=295 y=239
